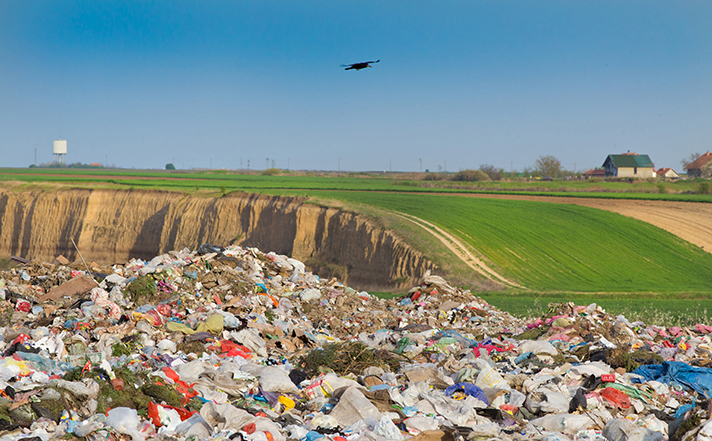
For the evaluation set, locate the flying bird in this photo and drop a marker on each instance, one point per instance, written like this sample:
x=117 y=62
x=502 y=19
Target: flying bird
x=359 y=66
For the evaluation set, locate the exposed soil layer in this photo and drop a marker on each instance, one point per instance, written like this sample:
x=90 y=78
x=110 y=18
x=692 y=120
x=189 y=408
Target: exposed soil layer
x=111 y=226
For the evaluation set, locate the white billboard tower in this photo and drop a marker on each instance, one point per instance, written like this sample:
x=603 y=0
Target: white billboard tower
x=59 y=148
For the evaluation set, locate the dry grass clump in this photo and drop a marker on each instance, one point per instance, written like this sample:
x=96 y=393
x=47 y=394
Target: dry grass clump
x=343 y=358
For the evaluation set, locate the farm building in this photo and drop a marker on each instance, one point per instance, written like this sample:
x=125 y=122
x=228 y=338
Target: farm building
x=700 y=167
x=666 y=172
x=629 y=165
x=594 y=173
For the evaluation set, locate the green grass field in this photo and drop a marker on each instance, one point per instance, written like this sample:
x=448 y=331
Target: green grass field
x=556 y=247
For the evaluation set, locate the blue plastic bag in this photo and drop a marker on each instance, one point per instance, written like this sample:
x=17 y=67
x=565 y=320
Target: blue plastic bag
x=468 y=389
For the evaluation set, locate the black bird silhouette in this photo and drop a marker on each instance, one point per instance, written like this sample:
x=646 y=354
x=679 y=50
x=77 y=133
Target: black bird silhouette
x=359 y=66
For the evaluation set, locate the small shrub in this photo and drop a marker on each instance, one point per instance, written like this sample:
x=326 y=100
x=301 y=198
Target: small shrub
x=470 y=175
x=434 y=177
x=271 y=172
x=661 y=187
x=703 y=188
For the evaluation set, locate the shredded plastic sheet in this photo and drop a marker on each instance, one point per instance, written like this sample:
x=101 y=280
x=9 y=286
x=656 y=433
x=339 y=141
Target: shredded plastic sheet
x=698 y=379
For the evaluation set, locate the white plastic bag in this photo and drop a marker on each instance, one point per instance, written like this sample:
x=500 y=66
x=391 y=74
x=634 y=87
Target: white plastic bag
x=271 y=378
x=125 y=421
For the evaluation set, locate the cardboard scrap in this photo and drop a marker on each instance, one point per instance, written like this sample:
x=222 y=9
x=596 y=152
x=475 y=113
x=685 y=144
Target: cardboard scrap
x=421 y=374
x=78 y=285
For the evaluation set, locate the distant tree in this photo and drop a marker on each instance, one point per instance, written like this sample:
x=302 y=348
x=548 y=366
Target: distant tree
x=690 y=159
x=170 y=166
x=32 y=165
x=493 y=173
x=470 y=175
x=548 y=166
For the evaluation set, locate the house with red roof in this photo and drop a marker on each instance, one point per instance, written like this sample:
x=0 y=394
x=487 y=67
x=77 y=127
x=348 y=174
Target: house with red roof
x=700 y=167
x=668 y=173
x=594 y=173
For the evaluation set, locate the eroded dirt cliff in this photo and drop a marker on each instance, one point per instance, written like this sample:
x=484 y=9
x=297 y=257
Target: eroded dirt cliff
x=113 y=226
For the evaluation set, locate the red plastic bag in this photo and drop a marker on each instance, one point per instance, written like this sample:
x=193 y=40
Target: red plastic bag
x=616 y=398
x=156 y=419
x=170 y=373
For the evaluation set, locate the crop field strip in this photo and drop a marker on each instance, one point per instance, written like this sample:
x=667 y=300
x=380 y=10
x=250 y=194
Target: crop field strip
x=225 y=182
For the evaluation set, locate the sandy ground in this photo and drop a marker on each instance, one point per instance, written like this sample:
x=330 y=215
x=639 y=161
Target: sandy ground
x=691 y=221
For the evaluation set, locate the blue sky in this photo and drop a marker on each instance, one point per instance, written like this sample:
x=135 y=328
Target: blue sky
x=460 y=83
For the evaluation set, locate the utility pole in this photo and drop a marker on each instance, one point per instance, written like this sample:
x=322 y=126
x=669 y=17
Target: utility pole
x=35 y=157
x=445 y=168
x=339 y=168
x=248 y=164
x=266 y=163
x=273 y=163
x=511 y=166
x=574 y=168
x=287 y=164
x=421 y=165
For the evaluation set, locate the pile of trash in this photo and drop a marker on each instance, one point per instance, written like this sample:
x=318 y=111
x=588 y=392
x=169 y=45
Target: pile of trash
x=233 y=343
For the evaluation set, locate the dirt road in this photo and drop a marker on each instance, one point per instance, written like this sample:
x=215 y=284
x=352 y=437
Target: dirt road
x=459 y=249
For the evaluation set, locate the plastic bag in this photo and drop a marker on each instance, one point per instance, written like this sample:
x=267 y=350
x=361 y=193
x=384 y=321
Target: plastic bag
x=353 y=406
x=271 y=378
x=466 y=389
x=488 y=377
x=388 y=430
x=125 y=421
x=616 y=398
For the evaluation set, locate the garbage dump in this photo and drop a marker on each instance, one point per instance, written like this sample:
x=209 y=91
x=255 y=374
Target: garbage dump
x=233 y=343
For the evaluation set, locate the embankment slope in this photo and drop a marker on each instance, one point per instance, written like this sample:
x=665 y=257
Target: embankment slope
x=115 y=225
